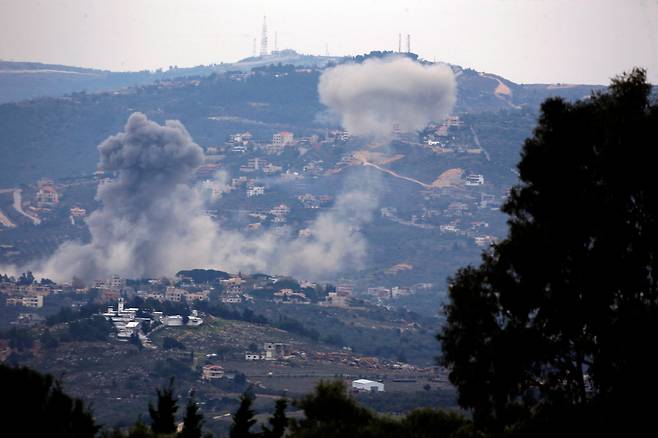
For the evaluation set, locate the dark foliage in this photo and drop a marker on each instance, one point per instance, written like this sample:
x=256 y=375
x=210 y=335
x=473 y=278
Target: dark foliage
x=243 y=419
x=331 y=412
x=19 y=339
x=35 y=405
x=278 y=422
x=193 y=420
x=556 y=330
x=201 y=276
x=163 y=415
x=95 y=328
x=169 y=343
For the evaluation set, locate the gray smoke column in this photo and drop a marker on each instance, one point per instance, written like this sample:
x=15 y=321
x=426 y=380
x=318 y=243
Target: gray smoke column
x=151 y=222
x=143 y=222
x=370 y=98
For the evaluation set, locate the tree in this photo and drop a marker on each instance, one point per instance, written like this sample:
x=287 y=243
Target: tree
x=35 y=405
x=163 y=417
x=48 y=341
x=559 y=321
x=331 y=412
x=278 y=422
x=134 y=339
x=26 y=278
x=244 y=417
x=169 y=343
x=193 y=420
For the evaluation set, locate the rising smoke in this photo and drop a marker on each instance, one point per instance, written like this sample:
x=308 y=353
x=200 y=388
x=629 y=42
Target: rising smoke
x=151 y=221
x=370 y=98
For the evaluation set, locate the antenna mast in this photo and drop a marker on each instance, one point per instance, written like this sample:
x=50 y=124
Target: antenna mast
x=263 y=38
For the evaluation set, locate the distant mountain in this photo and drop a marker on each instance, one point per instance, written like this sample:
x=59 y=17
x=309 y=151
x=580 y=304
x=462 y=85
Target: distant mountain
x=27 y=80
x=57 y=136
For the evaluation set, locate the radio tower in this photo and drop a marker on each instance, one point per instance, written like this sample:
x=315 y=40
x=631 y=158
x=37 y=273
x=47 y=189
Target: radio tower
x=263 y=38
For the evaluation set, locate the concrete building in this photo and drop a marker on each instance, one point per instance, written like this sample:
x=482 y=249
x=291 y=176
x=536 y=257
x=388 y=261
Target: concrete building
x=35 y=302
x=474 y=180
x=283 y=138
x=333 y=299
x=367 y=385
x=255 y=191
x=47 y=196
x=276 y=350
x=175 y=294
x=212 y=372
x=253 y=356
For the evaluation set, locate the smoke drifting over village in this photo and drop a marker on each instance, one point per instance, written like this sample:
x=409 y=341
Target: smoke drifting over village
x=372 y=97
x=151 y=221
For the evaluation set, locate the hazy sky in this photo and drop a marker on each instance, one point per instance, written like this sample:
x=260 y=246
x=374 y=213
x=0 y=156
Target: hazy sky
x=585 y=41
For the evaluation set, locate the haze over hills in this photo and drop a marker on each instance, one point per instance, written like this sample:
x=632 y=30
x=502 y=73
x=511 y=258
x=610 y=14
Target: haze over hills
x=63 y=132
x=28 y=80
x=417 y=179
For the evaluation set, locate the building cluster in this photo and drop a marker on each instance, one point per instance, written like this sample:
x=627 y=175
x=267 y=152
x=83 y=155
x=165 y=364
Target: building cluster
x=47 y=195
x=31 y=295
x=271 y=351
x=381 y=293
x=341 y=297
x=128 y=322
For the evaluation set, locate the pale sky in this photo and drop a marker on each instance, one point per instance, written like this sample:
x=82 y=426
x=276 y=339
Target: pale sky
x=529 y=41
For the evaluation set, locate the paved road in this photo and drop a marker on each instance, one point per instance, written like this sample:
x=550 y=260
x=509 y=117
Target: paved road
x=4 y=220
x=18 y=206
x=477 y=142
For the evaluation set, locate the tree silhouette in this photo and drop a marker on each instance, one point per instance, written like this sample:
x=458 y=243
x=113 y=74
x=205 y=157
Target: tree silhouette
x=193 y=420
x=244 y=417
x=559 y=323
x=331 y=412
x=163 y=416
x=278 y=421
x=35 y=405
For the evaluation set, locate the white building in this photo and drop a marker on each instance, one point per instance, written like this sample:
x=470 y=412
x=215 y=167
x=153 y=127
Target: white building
x=255 y=191
x=253 y=356
x=367 y=385
x=282 y=138
x=474 y=180
x=211 y=372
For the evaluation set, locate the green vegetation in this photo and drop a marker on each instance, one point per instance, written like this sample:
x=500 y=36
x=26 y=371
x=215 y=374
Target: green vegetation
x=556 y=330
x=163 y=419
x=39 y=406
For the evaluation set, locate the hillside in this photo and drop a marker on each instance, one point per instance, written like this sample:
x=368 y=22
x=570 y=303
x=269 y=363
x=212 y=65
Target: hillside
x=28 y=80
x=56 y=137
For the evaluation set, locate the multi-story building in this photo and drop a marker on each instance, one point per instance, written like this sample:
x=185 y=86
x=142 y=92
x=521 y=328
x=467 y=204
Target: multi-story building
x=283 y=138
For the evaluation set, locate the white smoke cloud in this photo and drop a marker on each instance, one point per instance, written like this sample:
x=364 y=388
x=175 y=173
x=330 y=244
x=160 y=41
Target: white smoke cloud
x=370 y=98
x=151 y=221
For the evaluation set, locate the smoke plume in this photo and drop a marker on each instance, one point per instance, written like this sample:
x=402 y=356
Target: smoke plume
x=151 y=221
x=370 y=98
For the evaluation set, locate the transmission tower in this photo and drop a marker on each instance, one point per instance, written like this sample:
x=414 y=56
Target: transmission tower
x=263 y=39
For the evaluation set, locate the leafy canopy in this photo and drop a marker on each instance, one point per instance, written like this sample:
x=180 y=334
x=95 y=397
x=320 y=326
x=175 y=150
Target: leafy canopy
x=562 y=315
